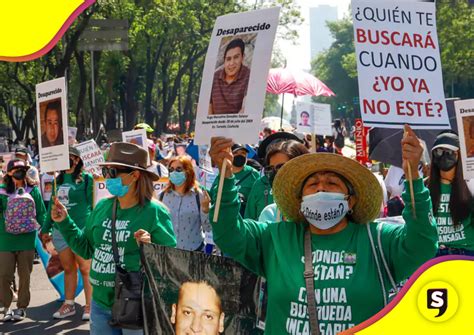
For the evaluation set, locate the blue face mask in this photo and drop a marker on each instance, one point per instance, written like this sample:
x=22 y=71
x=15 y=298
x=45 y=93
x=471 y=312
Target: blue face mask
x=177 y=178
x=115 y=187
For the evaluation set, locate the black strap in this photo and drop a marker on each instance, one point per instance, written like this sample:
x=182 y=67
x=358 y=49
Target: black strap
x=309 y=279
x=114 y=238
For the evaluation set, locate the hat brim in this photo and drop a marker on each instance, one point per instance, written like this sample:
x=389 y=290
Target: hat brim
x=289 y=180
x=153 y=175
x=445 y=146
x=281 y=135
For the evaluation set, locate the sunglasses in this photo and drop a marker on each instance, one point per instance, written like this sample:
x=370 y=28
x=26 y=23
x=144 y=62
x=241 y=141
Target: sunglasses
x=440 y=151
x=113 y=172
x=269 y=170
x=178 y=169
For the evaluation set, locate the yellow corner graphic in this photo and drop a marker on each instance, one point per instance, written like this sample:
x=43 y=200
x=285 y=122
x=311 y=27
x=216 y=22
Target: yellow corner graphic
x=31 y=28
x=437 y=300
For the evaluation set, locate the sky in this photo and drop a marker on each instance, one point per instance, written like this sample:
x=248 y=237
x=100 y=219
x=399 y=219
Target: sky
x=298 y=56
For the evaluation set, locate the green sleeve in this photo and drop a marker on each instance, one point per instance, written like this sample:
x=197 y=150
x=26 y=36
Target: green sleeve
x=251 y=207
x=162 y=233
x=39 y=204
x=90 y=189
x=240 y=238
x=79 y=240
x=47 y=227
x=410 y=245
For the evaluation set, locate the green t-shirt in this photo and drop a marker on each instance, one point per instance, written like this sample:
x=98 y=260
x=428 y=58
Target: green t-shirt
x=347 y=286
x=260 y=197
x=459 y=236
x=95 y=241
x=12 y=242
x=76 y=198
x=245 y=179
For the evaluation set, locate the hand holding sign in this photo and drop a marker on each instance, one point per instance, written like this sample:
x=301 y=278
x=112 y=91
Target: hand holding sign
x=412 y=150
x=58 y=211
x=220 y=152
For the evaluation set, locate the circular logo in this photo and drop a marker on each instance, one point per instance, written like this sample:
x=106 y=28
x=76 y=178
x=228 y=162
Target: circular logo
x=438 y=301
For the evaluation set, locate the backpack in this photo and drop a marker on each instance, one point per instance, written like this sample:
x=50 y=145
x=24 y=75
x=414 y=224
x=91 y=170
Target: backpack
x=20 y=214
x=339 y=140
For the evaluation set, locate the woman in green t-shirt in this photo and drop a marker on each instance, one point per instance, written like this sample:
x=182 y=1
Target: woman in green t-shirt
x=327 y=245
x=139 y=218
x=74 y=190
x=452 y=200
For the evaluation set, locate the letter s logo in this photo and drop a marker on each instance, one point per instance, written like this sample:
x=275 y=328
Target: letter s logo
x=437 y=299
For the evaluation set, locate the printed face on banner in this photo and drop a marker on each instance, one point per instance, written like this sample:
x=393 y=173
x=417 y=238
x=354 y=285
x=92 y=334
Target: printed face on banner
x=313 y=118
x=51 y=108
x=198 y=310
x=137 y=137
x=51 y=123
x=232 y=73
x=235 y=76
x=399 y=65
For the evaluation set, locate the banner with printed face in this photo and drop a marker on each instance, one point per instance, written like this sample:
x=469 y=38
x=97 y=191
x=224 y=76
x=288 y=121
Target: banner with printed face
x=187 y=290
x=399 y=65
x=47 y=184
x=465 y=120
x=137 y=137
x=51 y=108
x=314 y=118
x=235 y=76
x=91 y=155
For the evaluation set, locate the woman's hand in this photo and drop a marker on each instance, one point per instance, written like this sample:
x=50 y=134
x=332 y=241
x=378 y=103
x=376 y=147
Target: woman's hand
x=412 y=150
x=45 y=238
x=142 y=236
x=220 y=151
x=58 y=211
x=205 y=202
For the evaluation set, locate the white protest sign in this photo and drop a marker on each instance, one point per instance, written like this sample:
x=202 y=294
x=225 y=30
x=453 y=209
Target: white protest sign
x=91 y=155
x=314 y=118
x=465 y=120
x=47 y=182
x=51 y=109
x=399 y=65
x=137 y=137
x=205 y=162
x=101 y=192
x=71 y=135
x=235 y=76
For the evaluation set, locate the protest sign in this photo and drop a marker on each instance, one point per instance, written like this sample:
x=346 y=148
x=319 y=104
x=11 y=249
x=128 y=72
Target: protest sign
x=235 y=76
x=398 y=64
x=314 y=118
x=137 y=137
x=101 y=192
x=91 y=155
x=360 y=135
x=51 y=108
x=71 y=135
x=465 y=120
x=175 y=277
x=205 y=162
x=47 y=182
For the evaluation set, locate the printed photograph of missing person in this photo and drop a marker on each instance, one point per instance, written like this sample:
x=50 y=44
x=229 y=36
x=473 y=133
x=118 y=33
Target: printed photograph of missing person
x=304 y=119
x=468 y=125
x=51 y=127
x=231 y=77
x=198 y=310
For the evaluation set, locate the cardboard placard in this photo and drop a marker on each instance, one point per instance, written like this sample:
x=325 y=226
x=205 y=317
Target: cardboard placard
x=91 y=155
x=399 y=64
x=51 y=109
x=235 y=76
x=465 y=120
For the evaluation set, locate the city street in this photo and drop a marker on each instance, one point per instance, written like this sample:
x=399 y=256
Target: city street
x=39 y=320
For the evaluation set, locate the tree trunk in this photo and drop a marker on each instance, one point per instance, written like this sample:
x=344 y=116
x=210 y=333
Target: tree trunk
x=80 y=113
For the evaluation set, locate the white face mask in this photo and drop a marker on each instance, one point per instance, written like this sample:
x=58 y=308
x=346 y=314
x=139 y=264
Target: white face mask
x=324 y=209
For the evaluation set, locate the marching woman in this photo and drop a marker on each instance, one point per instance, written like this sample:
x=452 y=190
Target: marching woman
x=452 y=200
x=22 y=208
x=75 y=191
x=322 y=268
x=187 y=203
x=138 y=218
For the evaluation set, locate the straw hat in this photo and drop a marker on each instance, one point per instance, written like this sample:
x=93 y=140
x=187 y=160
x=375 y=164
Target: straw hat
x=129 y=155
x=288 y=185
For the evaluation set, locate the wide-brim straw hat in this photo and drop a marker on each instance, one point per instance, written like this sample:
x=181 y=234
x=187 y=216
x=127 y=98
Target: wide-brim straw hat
x=129 y=155
x=288 y=185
